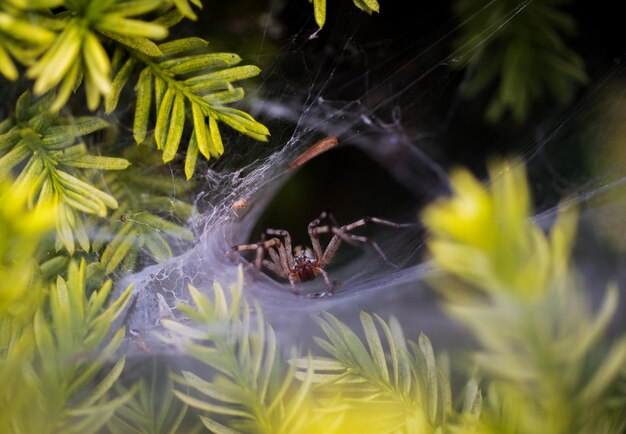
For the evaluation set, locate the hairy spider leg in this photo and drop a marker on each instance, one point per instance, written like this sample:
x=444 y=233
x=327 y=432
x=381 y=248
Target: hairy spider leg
x=342 y=234
x=315 y=230
x=260 y=248
x=275 y=265
x=314 y=236
x=287 y=242
x=331 y=287
x=273 y=268
x=281 y=255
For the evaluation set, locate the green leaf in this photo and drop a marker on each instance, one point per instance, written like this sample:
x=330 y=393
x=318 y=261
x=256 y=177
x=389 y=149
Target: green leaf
x=216 y=427
x=13 y=158
x=431 y=375
x=169 y=19
x=189 y=64
x=52 y=66
x=176 y=125
x=131 y=27
x=138 y=43
x=136 y=7
x=120 y=79
x=240 y=121
x=182 y=45
x=191 y=157
x=86 y=204
x=208 y=407
x=7 y=67
x=375 y=345
x=9 y=139
x=185 y=8
x=71 y=81
x=22 y=30
x=105 y=384
x=97 y=63
x=120 y=251
x=98 y=162
x=200 y=131
x=211 y=390
x=319 y=10
x=157 y=246
x=606 y=374
x=164 y=118
x=236 y=73
x=142 y=107
x=318 y=364
x=79 y=186
x=216 y=139
x=367 y=6
x=231 y=95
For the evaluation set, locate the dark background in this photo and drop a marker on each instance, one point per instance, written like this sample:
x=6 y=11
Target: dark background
x=395 y=65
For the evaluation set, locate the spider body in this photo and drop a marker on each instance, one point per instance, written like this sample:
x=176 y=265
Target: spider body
x=305 y=270
x=303 y=264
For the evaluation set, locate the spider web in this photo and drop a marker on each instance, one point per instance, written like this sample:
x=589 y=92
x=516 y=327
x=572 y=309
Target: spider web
x=390 y=99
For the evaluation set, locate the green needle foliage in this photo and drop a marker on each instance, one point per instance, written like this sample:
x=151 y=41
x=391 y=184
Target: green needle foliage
x=515 y=289
x=401 y=388
x=187 y=80
x=248 y=389
x=152 y=410
x=58 y=365
x=42 y=149
x=319 y=9
x=20 y=37
x=21 y=229
x=185 y=8
x=136 y=224
x=518 y=49
x=77 y=52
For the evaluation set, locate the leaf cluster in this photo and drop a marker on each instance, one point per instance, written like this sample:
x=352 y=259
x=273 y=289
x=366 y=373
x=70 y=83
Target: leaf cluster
x=183 y=79
x=542 y=347
x=152 y=410
x=45 y=152
x=58 y=363
x=73 y=43
x=248 y=389
x=140 y=223
x=518 y=49
x=402 y=387
x=397 y=387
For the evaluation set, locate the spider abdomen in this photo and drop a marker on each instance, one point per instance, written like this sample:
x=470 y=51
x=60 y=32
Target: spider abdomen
x=305 y=271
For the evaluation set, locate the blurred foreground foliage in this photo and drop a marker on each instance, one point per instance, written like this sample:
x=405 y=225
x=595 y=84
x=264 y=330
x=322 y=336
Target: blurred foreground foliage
x=548 y=363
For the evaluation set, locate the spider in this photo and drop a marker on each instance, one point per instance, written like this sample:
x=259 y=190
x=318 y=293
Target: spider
x=303 y=264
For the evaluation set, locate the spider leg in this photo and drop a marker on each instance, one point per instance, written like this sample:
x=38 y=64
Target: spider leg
x=331 y=288
x=278 y=261
x=273 y=268
x=288 y=250
x=366 y=220
x=293 y=277
x=314 y=235
x=342 y=234
x=260 y=248
x=375 y=245
x=332 y=247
